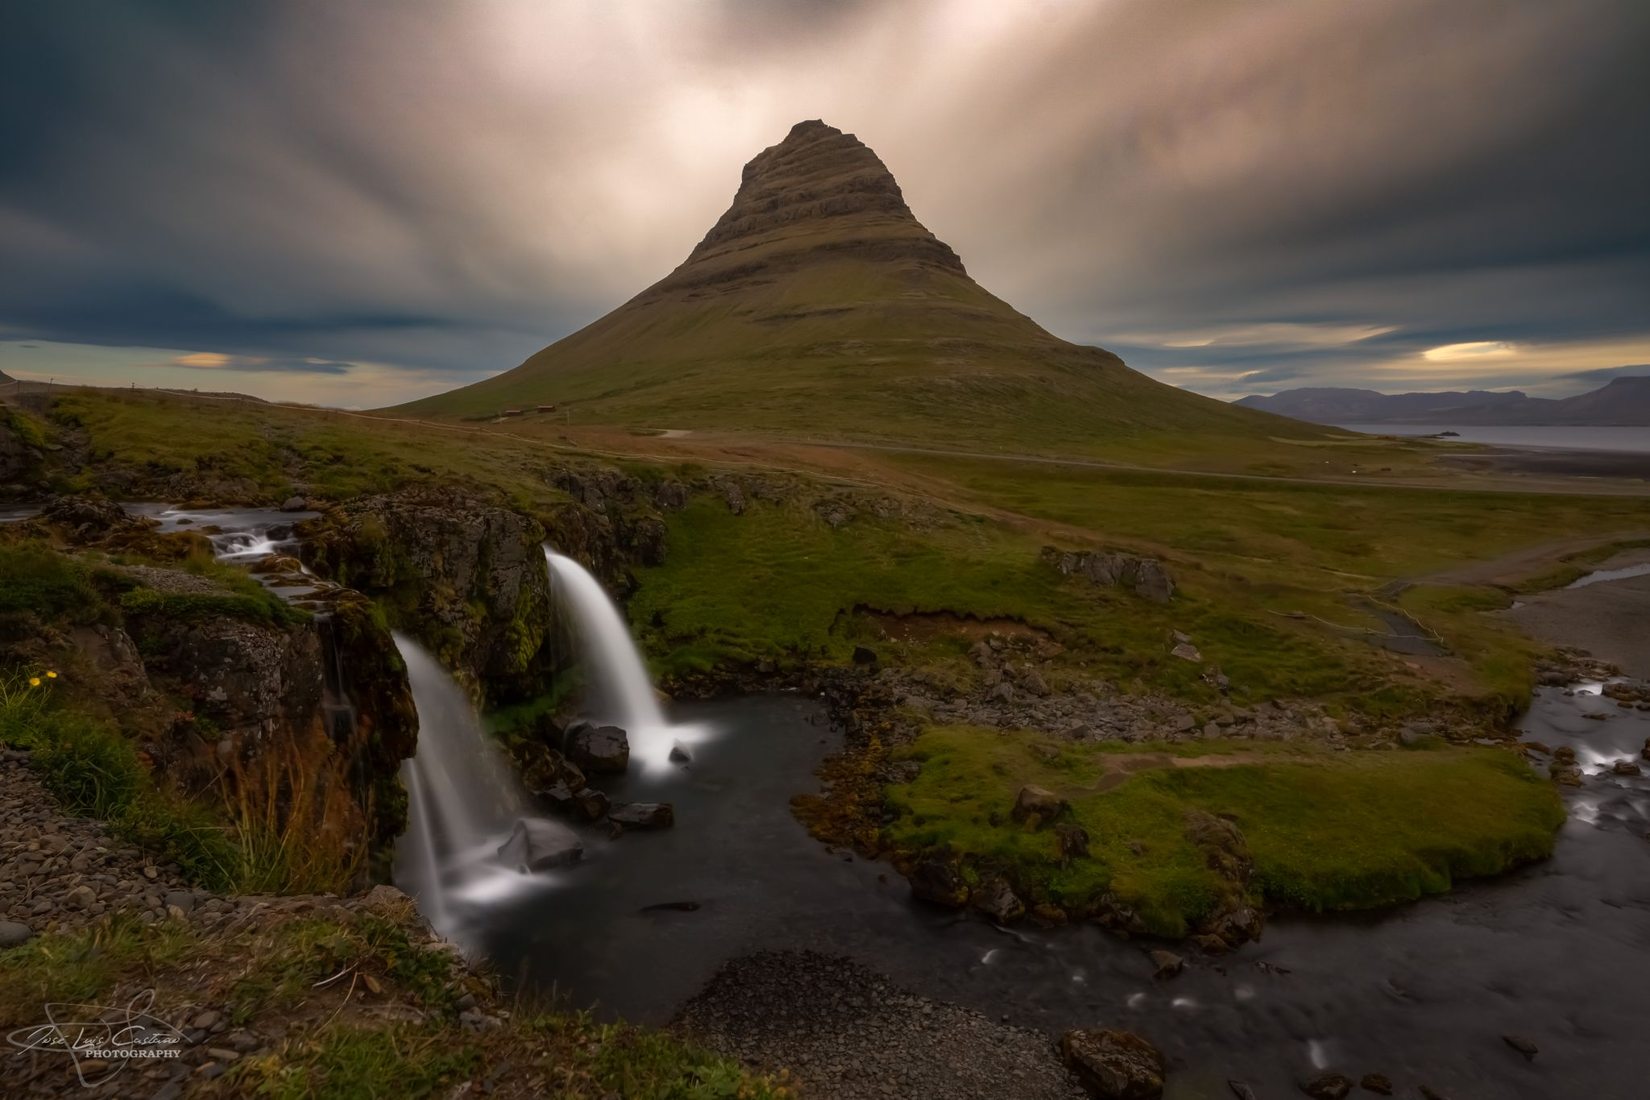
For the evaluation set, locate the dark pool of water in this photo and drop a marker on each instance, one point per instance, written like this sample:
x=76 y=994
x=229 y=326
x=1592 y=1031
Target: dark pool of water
x=1559 y=952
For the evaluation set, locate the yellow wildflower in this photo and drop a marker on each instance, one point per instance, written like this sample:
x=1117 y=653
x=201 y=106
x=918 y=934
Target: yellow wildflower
x=34 y=681
x=51 y=675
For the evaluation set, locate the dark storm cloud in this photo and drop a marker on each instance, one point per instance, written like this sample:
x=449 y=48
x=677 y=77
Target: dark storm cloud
x=1233 y=196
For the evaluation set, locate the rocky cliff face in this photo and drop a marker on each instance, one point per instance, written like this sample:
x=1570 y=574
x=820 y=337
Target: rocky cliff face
x=467 y=578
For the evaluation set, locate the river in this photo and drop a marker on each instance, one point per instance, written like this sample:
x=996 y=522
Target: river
x=1559 y=952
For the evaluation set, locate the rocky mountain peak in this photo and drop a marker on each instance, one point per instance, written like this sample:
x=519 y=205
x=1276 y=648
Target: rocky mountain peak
x=818 y=193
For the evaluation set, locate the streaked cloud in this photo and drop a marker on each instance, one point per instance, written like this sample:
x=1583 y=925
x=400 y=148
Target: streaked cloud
x=1282 y=191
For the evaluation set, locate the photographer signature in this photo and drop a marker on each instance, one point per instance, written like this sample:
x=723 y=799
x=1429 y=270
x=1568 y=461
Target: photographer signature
x=100 y=1040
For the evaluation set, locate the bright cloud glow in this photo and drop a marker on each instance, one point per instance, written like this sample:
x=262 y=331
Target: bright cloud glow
x=1476 y=349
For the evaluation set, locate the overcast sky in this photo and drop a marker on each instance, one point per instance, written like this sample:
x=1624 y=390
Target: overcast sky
x=359 y=203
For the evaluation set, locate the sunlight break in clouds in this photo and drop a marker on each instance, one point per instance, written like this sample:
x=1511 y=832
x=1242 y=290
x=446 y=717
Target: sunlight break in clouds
x=1470 y=352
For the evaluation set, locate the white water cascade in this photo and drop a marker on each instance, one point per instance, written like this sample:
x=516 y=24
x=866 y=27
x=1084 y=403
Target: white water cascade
x=614 y=667
x=462 y=800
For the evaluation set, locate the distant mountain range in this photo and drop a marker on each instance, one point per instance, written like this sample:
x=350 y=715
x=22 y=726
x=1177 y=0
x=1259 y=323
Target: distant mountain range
x=1624 y=402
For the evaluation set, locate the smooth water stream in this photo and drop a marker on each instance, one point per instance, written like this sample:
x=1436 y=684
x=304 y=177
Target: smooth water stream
x=462 y=802
x=621 y=692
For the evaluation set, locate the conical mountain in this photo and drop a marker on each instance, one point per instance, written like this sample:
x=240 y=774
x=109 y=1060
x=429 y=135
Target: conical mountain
x=819 y=306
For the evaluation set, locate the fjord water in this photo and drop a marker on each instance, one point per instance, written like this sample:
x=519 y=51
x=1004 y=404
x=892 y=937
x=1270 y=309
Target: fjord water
x=619 y=688
x=1543 y=436
x=462 y=801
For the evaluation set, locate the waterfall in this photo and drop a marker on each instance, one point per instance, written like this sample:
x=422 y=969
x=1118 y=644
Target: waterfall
x=623 y=693
x=462 y=799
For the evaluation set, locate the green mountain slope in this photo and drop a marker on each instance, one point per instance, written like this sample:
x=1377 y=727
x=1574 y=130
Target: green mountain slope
x=819 y=306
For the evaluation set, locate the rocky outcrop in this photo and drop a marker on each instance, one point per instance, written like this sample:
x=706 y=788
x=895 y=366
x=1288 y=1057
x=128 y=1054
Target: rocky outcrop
x=1145 y=577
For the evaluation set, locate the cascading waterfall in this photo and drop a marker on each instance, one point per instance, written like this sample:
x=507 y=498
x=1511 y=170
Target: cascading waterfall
x=623 y=693
x=462 y=799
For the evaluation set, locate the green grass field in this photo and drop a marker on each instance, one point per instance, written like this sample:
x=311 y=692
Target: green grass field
x=1326 y=830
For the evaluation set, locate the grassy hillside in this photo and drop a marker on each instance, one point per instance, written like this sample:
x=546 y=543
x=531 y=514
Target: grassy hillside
x=818 y=306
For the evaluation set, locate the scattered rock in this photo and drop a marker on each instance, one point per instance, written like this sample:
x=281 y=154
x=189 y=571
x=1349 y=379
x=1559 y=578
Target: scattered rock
x=1328 y=1086
x=537 y=845
x=643 y=815
x=13 y=934
x=1186 y=652
x=1034 y=806
x=1073 y=841
x=601 y=750
x=294 y=504
x=1378 y=1083
x=1114 y=1065
x=1626 y=767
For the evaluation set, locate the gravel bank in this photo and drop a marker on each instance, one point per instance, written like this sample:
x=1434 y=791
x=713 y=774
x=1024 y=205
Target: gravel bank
x=59 y=872
x=846 y=1033
x=1607 y=619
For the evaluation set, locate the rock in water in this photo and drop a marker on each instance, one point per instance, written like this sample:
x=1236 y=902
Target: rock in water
x=1166 y=964
x=1328 y=1086
x=1114 y=1065
x=537 y=845
x=1524 y=1046
x=590 y=804
x=643 y=815
x=600 y=750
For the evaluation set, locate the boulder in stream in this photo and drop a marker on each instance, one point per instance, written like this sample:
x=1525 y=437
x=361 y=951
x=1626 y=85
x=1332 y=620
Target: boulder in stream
x=1113 y=1065
x=643 y=815
x=599 y=750
x=538 y=845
